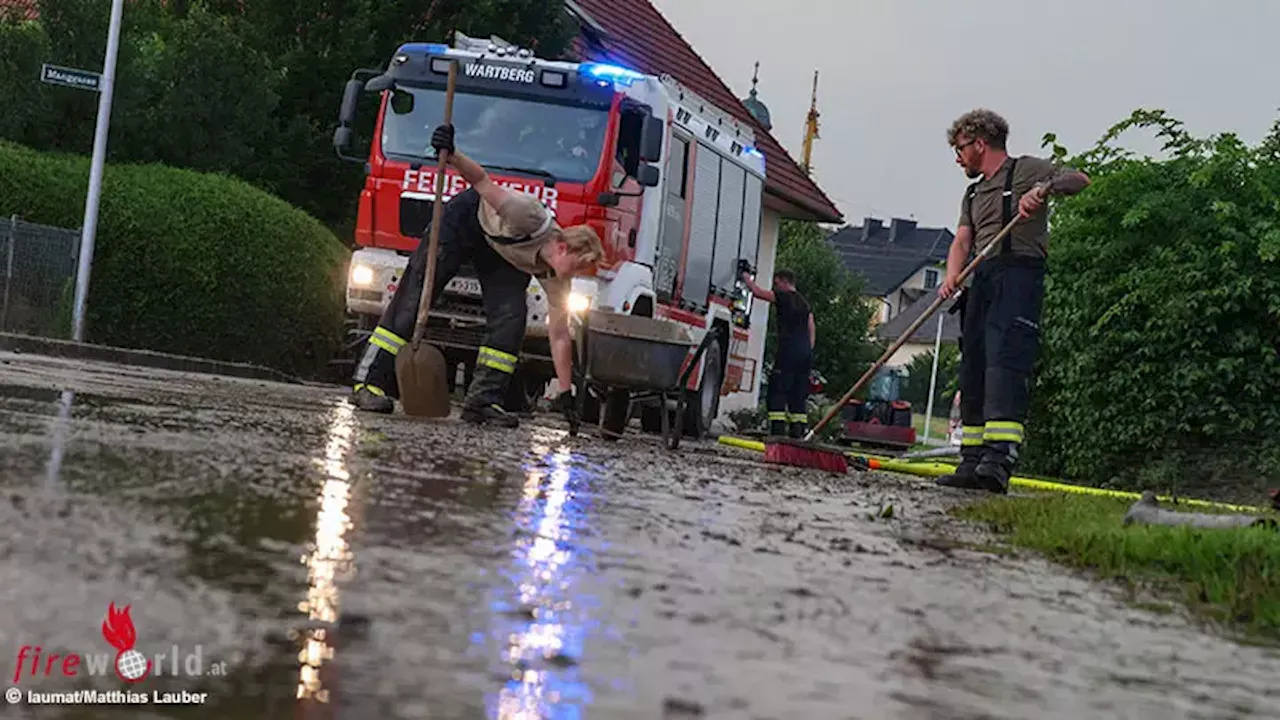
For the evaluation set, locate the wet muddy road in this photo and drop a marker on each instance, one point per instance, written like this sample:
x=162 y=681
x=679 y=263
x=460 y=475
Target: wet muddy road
x=293 y=559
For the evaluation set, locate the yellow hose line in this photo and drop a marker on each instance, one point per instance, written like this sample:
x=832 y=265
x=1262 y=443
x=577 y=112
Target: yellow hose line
x=934 y=469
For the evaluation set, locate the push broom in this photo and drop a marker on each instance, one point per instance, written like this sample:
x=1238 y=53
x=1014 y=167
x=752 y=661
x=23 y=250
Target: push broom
x=802 y=452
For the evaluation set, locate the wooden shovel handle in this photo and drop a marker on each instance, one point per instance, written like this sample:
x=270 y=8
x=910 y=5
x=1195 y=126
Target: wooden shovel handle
x=437 y=210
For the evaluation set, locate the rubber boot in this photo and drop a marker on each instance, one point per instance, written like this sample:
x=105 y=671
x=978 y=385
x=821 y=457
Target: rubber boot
x=996 y=468
x=490 y=415
x=371 y=399
x=777 y=428
x=965 y=476
x=483 y=405
x=798 y=429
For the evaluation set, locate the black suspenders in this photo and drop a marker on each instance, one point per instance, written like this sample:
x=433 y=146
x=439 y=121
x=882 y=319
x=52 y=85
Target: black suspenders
x=1006 y=214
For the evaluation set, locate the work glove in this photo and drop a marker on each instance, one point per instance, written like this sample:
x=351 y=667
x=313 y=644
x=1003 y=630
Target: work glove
x=566 y=404
x=442 y=139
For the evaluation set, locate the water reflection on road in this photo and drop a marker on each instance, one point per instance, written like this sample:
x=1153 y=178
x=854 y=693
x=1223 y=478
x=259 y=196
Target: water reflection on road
x=330 y=562
x=59 y=441
x=538 y=612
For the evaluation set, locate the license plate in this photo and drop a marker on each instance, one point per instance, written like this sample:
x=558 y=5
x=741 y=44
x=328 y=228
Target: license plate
x=464 y=286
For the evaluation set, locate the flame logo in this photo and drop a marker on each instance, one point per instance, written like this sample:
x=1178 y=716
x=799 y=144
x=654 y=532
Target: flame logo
x=118 y=630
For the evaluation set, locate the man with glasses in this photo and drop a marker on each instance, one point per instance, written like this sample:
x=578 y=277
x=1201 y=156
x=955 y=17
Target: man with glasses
x=1000 y=313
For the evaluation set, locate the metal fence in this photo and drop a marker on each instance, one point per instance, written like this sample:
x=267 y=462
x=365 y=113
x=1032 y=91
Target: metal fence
x=37 y=277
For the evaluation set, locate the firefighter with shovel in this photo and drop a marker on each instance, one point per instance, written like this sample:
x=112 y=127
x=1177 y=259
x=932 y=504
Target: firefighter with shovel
x=509 y=237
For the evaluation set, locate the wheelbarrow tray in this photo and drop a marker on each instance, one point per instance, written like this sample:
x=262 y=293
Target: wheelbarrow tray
x=635 y=353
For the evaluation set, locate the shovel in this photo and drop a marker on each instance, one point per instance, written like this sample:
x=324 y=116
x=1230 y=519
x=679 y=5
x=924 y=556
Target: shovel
x=420 y=367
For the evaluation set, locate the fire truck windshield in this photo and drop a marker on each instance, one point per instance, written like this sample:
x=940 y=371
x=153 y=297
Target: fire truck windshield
x=564 y=141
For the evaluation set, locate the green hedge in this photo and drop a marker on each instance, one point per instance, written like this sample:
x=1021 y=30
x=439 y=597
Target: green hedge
x=192 y=263
x=1162 y=319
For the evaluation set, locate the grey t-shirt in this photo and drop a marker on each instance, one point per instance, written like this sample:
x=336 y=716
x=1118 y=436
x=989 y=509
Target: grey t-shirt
x=1029 y=237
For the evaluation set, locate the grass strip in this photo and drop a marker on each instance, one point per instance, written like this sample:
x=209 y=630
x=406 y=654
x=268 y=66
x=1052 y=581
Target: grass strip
x=1227 y=576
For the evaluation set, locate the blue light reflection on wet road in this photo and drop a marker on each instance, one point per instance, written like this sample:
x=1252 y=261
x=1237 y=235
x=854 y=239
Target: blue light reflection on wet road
x=540 y=623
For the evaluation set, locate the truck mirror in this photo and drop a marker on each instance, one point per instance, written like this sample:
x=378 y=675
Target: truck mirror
x=647 y=175
x=401 y=102
x=350 y=96
x=342 y=138
x=651 y=139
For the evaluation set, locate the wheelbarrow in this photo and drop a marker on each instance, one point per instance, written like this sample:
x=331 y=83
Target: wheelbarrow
x=627 y=359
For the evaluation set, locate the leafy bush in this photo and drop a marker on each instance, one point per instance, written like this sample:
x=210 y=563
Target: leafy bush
x=191 y=263
x=1162 y=317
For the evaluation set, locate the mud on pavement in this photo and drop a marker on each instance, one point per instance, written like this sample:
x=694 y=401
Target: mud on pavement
x=338 y=565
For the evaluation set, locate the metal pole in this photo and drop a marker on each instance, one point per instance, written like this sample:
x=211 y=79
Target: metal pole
x=8 y=273
x=933 y=382
x=95 y=171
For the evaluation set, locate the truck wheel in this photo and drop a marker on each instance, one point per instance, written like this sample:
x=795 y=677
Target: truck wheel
x=617 y=411
x=705 y=403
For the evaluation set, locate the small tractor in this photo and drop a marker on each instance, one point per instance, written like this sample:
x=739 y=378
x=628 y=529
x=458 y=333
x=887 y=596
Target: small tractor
x=883 y=419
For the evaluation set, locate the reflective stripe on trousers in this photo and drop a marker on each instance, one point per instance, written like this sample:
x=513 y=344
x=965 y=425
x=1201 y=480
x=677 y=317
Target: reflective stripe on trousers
x=496 y=359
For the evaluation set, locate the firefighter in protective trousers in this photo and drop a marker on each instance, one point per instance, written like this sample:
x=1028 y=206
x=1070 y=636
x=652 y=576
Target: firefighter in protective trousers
x=789 y=382
x=509 y=237
x=1000 y=312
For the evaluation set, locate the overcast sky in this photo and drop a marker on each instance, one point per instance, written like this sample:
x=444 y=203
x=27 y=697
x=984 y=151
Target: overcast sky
x=895 y=73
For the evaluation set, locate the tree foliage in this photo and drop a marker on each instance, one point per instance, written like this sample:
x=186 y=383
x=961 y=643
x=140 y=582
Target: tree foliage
x=245 y=87
x=1162 y=315
x=844 y=350
x=920 y=369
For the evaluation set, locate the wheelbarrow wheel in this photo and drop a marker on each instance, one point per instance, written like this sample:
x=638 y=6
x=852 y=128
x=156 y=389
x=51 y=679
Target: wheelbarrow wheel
x=615 y=413
x=579 y=401
x=676 y=429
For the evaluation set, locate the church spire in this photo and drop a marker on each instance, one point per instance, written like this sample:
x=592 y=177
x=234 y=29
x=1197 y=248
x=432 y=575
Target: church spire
x=753 y=104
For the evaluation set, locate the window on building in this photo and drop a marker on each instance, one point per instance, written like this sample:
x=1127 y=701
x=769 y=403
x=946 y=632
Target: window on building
x=931 y=278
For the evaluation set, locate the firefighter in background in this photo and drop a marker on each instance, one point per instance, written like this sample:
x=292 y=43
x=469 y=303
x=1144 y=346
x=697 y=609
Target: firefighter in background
x=509 y=237
x=1000 y=315
x=789 y=382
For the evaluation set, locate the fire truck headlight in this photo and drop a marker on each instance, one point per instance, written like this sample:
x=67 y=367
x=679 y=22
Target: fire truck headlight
x=578 y=303
x=362 y=276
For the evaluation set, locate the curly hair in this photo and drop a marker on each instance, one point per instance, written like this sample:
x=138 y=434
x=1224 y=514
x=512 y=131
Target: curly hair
x=980 y=124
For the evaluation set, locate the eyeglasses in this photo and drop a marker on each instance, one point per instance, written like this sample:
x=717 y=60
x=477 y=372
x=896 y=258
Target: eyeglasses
x=962 y=146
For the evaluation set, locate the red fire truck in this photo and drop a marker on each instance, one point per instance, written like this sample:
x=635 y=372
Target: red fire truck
x=671 y=183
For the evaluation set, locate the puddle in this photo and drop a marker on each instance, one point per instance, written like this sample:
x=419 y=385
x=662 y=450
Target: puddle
x=348 y=566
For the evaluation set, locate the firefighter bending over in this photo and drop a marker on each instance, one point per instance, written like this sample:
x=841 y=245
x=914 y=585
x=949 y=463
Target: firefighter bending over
x=1000 y=314
x=508 y=237
x=789 y=382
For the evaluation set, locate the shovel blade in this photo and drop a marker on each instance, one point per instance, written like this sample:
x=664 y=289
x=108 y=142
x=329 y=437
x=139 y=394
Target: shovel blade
x=424 y=387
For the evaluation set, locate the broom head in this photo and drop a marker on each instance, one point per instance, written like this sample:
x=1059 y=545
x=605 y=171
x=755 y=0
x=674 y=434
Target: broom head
x=800 y=454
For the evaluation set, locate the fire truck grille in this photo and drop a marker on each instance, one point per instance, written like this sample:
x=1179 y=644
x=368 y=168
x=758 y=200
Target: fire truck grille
x=471 y=307
x=459 y=337
x=415 y=215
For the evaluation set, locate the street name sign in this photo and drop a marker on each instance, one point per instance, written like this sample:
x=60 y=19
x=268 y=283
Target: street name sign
x=70 y=77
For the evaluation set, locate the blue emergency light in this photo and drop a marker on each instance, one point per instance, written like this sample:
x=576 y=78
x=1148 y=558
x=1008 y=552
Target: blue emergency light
x=611 y=73
x=428 y=48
